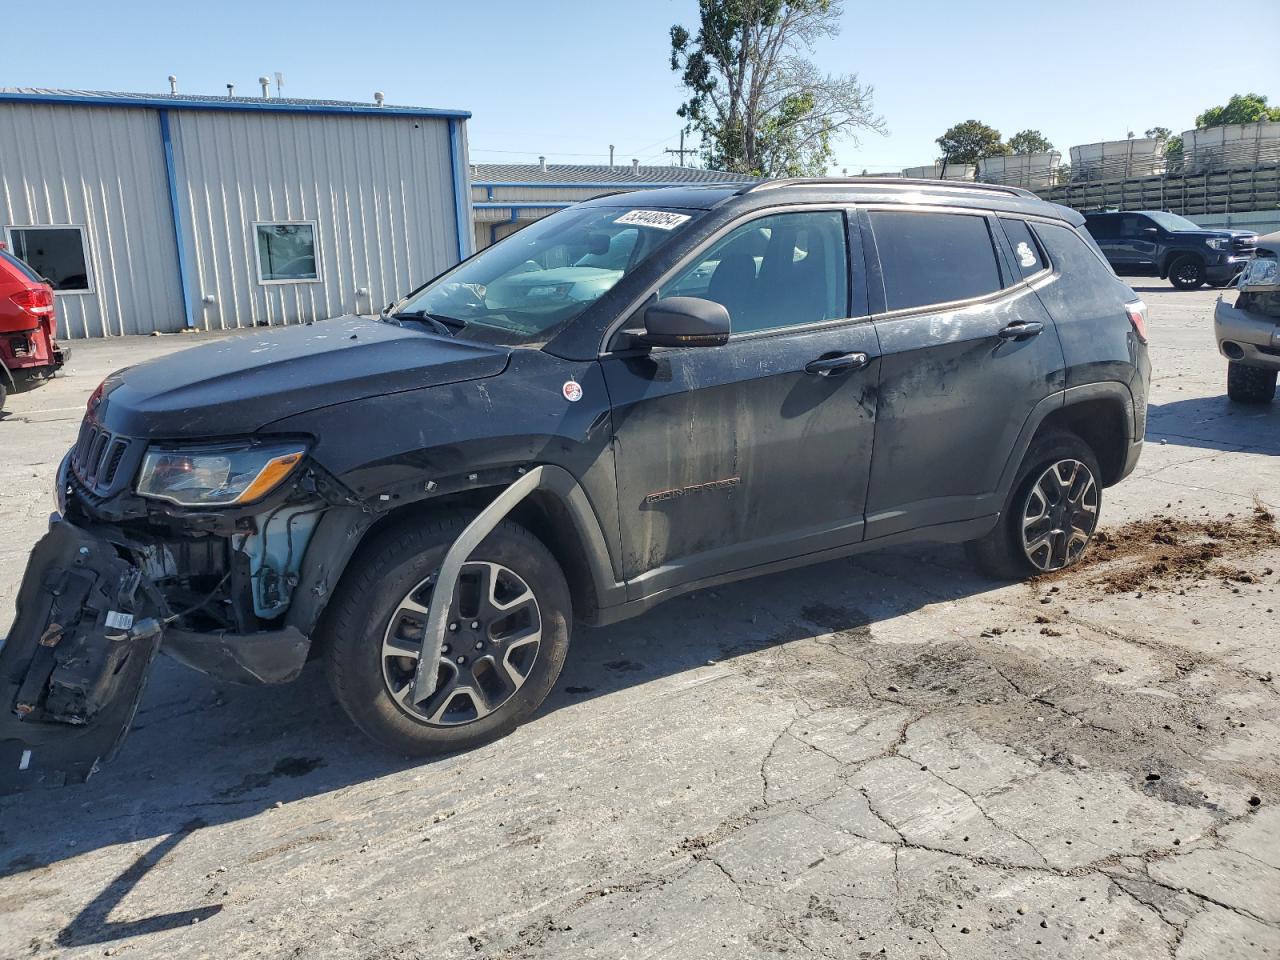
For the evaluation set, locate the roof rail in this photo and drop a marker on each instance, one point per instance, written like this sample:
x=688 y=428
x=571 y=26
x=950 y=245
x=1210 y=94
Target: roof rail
x=885 y=182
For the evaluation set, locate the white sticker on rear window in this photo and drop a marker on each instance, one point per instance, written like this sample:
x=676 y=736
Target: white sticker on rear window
x=662 y=219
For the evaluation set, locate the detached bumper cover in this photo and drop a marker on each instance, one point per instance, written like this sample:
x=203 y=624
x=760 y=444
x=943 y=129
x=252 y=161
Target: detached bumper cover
x=74 y=665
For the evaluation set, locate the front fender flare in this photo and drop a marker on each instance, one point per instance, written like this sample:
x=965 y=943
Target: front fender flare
x=555 y=480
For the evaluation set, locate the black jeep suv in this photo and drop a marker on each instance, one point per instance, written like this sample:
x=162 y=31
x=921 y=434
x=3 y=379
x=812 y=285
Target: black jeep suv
x=639 y=396
x=1153 y=243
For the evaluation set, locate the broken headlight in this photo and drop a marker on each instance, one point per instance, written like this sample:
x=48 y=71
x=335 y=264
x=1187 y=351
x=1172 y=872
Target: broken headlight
x=214 y=476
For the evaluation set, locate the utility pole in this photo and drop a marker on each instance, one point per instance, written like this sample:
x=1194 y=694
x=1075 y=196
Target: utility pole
x=682 y=151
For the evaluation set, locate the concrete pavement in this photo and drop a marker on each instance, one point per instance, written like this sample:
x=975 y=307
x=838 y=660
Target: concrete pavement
x=881 y=757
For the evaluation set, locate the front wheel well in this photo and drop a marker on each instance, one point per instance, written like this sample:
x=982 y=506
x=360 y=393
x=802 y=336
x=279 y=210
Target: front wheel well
x=541 y=513
x=1102 y=424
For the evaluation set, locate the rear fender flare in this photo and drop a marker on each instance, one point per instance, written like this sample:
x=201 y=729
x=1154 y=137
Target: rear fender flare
x=1102 y=390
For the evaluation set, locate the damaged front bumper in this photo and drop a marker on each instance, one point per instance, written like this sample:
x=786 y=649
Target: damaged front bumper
x=72 y=670
x=272 y=656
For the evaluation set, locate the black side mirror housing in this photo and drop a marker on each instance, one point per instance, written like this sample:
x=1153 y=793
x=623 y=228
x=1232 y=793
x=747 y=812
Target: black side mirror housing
x=685 y=322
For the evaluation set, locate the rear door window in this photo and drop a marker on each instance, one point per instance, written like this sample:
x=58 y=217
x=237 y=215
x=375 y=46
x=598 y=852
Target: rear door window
x=928 y=258
x=1104 y=227
x=1131 y=226
x=1026 y=249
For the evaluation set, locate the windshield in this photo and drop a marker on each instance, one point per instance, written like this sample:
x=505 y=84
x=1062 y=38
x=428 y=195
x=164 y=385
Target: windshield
x=523 y=289
x=1171 y=221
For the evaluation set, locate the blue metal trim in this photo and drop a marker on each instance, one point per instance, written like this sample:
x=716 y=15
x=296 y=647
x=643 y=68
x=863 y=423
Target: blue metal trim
x=461 y=190
x=493 y=227
x=621 y=184
x=522 y=204
x=171 y=175
x=262 y=106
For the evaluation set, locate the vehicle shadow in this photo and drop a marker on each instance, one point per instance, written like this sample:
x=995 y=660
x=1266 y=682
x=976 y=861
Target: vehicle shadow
x=204 y=753
x=1216 y=423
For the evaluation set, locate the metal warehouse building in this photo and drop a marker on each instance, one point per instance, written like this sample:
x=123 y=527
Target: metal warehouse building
x=163 y=212
x=508 y=196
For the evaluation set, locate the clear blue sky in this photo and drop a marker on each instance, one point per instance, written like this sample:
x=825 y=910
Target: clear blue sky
x=566 y=78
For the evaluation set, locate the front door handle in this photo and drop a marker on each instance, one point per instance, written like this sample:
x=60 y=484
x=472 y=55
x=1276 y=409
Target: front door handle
x=836 y=364
x=1022 y=330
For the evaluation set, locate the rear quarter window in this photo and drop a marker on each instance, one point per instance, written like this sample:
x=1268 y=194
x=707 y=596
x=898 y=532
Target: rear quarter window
x=1026 y=248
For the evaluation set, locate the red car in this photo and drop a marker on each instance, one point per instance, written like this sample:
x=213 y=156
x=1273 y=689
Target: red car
x=29 y=354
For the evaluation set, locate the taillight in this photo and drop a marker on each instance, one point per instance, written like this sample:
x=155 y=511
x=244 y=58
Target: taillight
x=36 y=301
x=1137 y=312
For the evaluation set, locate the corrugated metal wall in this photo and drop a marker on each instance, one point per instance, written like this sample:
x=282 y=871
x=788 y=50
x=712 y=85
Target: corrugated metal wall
x=100 y=168
x=380 y=191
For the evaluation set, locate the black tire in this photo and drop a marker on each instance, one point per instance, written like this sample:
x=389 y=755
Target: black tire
x=386 y=575
x=1001 y=553
x=1187 y=272
x=4 y=393
x=1250 y=384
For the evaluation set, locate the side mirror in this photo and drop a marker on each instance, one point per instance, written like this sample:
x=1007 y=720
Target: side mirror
x=685 y=322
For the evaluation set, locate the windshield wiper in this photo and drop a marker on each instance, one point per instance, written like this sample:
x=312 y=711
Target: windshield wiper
x=441 y=324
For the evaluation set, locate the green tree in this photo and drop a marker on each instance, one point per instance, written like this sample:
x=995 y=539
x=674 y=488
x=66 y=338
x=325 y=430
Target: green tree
x=761 y=106
x=971 y=141
x=1029 y=141
x=1241 y=108
x=1159 y=133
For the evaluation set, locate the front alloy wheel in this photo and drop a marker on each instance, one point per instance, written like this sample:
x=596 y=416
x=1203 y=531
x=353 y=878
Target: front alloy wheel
x=1060 y=515
x=507 y=638
x=494 y=631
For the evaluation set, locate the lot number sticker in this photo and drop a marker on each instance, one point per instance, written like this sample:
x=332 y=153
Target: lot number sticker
x=653 y=218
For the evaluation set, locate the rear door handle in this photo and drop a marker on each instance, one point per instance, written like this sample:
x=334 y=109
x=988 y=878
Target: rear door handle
x=1021 y=330
x=836 y=364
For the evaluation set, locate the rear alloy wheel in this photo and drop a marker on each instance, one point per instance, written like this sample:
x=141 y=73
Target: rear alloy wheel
x=1187 y=273
x=1250 y=384
x=507 y=638
x=1050 y=515
x=1059 y=515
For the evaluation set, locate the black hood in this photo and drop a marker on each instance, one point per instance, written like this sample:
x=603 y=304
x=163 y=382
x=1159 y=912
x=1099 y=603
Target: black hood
x=237 y=385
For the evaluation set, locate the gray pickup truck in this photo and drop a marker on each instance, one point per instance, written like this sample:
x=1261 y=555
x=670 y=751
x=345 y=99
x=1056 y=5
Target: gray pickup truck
x=1248 y=331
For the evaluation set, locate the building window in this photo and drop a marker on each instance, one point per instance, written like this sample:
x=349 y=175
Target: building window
x=287 y=252
x=59 y=254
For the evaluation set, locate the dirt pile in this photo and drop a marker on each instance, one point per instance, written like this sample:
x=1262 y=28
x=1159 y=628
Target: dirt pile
x=1162 y=551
